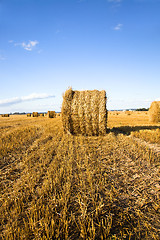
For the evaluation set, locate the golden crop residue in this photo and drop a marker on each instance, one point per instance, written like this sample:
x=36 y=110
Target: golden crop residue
x=152 y=135
x=60 y=186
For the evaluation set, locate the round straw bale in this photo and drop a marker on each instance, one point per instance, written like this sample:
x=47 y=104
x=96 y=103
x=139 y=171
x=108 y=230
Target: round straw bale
x=74 y=113
x=95 y=111
x=41 y=114
x=58 y=114
x=154 y=112
x=28 y=114
x=88 y=113
x=66 y=111
x=84 y=112
x=5 y=115
x=51 y=114
x=102 y=113
x=81 y=112
x=35 y=114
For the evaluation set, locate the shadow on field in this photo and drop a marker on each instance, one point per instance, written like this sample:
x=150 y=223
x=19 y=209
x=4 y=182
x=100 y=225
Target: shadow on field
x=126 y=130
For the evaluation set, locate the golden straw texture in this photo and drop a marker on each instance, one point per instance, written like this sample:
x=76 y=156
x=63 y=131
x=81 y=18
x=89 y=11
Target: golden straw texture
x=84 y=112
x=51 y=114
x=66 y=111
x=154 y=112
x=5 y=115
x=34 y=114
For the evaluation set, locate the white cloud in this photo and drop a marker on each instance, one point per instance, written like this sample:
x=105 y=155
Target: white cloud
x=31 y=97
x=157 y=99
x=118 y=27
x=28 y=46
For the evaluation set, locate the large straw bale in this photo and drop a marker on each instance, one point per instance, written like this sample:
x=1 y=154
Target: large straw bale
x=51 y=114
x=66 y=111
x=81 y=112
x=95 y=112
x=35 y=114
x=74 y=113
x=154 y=112
x=88 y=113
x=84 y=112
x=102 y=113
x=28 y=114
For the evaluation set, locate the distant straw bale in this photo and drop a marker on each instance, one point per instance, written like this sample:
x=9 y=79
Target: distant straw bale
x=58 y=114
x=128 y=112
x=84 y=112
x=28 y=114
x=154 y=112
x=5 y=115
x=51 y=114
x=35 y=114
x=41 y=114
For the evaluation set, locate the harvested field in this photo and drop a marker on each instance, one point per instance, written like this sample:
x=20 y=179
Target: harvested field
x=59 y=186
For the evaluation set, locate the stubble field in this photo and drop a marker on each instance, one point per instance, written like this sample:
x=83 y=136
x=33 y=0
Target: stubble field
x=57 y=186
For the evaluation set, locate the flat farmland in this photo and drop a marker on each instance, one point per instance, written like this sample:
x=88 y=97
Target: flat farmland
x=59 y=186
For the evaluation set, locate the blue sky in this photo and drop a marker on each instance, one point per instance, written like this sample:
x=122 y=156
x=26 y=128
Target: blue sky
x=47 y=46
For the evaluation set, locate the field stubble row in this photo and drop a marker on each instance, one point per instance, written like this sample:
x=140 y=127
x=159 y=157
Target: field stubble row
x=56 y=186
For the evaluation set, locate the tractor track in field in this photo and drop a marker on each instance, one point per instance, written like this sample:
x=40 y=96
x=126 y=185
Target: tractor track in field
x=12 y=170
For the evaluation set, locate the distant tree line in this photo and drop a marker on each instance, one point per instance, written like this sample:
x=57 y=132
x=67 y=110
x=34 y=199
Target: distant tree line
x=142 y=109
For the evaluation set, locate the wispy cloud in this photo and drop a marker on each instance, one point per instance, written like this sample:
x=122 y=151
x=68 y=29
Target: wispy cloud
x=157 y=99
x=118 y=27
x=31 y=97
x=28 y=46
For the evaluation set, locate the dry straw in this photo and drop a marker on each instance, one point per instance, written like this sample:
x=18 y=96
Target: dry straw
x=58 y=114
x=84 y=112
x=28 y=114
x=41 y=114
x=154 y=112
x=128 y=112
x=35 y=114
x=5 y=115
x=51 y=114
